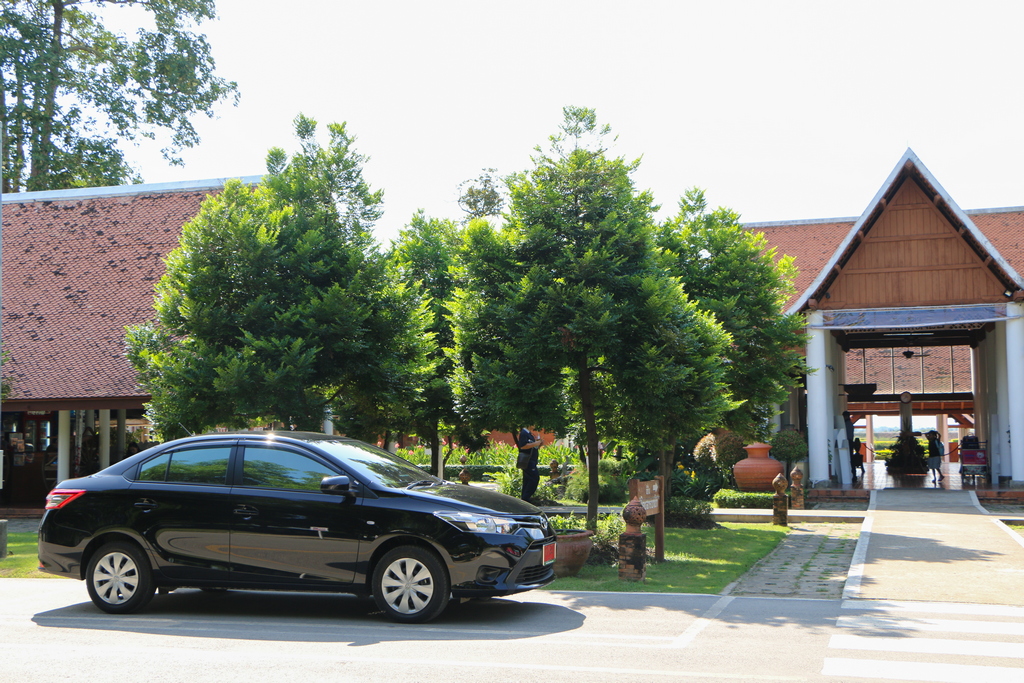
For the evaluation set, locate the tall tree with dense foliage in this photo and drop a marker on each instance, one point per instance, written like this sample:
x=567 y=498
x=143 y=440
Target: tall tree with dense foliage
x=730 y=272
x=423 y=258
x=277 y=306
x=566 y=311
x=71 y=89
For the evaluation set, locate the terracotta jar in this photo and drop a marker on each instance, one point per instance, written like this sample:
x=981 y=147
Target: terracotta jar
x=572 y=548
x=756 y=471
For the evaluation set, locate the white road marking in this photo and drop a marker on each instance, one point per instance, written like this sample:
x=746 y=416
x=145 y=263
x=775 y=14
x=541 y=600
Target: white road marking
x=920 y=671
x=934 y=608
x=694 y=629
x=928 y=624
x=932 y=646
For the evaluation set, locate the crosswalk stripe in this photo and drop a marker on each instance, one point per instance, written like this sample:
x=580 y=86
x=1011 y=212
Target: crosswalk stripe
x=932 y=646
x=928 y=624
x=934 y=608
x=919 y=671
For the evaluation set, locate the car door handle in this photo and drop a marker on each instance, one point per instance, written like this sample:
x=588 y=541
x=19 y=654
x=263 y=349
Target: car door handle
x=145 y=504
x=246 y=511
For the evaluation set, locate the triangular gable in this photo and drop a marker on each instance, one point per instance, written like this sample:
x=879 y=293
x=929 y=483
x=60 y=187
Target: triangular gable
x=939 y=249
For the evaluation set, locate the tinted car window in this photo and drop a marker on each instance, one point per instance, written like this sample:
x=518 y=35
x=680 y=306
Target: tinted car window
x=376 y=464
x=200 y=465
x=272 y=468
x=155 y=469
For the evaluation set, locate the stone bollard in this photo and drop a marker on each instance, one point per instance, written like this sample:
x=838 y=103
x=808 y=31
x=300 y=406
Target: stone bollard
x=633 y=543
x=464 y=475
x=553 y=466
x=3 y=539
x=797 y=491
x=780 y=506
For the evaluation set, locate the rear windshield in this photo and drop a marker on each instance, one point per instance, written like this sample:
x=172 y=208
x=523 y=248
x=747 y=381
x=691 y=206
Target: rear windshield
x=375 y=464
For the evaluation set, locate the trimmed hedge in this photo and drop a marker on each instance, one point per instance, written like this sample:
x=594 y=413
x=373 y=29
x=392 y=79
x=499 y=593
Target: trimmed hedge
x=476 y=472
x=688 y=513
x=729 y=498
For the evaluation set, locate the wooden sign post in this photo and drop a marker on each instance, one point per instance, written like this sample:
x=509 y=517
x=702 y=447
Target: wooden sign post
x=651 y=494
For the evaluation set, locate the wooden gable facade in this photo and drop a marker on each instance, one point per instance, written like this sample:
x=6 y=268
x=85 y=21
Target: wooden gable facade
x=912 y=255
x=912 y=248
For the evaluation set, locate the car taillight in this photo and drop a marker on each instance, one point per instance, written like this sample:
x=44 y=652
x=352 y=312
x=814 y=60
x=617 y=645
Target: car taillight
x=58 y=498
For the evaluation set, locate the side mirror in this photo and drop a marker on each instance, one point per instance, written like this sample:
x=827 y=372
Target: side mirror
x=340 y=485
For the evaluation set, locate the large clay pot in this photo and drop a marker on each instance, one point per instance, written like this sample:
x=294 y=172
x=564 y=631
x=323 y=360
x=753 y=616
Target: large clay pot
x=756 y=471
x=572 y=548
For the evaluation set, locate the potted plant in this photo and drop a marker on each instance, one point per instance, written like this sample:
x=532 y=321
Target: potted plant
x=572 y=545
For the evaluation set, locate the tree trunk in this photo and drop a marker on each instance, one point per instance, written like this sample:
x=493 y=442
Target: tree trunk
x=436 y=462
x=42 y=151
x=590 y=429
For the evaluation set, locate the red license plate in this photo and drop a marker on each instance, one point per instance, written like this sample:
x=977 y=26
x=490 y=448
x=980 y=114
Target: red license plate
x=549 y=553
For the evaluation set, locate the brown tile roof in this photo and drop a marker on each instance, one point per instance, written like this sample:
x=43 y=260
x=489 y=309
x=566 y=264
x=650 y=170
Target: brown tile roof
x=75 y=273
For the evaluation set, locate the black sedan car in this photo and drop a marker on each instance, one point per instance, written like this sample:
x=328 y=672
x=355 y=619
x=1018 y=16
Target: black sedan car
x=290 y=511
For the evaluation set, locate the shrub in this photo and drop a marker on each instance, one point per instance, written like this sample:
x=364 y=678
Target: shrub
x=729 y=498
x=688 y=513
x=612 y=490
x=700 y=484
x=509 y=481
x=724 y=449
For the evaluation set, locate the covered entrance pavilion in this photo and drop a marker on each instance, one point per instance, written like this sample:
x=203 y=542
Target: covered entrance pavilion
x=916 y=301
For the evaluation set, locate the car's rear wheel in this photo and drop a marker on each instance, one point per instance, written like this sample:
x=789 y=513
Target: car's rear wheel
x=411 y=585
x=119 y=578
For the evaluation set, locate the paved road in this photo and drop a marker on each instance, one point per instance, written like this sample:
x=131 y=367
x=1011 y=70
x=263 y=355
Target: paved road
x=50 y=632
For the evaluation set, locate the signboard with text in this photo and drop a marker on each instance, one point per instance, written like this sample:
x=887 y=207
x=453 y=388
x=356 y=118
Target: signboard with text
x=651 y=494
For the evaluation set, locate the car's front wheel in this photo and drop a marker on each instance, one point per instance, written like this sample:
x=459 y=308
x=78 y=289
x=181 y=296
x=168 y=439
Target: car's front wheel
x=411 y=585
x=119 y=578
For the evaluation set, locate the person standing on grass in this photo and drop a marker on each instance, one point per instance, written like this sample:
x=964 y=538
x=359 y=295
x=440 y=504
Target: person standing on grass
x=529 y=447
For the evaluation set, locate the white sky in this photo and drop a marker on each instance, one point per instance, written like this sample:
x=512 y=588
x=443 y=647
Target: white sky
x=781 y=110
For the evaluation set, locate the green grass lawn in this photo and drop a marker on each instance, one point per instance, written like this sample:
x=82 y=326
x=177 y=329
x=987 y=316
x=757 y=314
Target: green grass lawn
x=696 y=561
x=21 y=560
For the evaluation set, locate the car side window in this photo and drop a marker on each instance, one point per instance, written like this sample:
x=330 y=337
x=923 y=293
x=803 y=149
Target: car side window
x=200 y=465
x=154 y=469
x=192 y=466
x=280 y=469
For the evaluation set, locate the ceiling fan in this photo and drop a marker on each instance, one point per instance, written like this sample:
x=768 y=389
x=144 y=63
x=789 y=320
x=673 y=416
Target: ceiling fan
x=907 y=353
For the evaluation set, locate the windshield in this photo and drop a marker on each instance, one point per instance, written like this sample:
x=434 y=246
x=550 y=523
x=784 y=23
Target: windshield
x=375 y=464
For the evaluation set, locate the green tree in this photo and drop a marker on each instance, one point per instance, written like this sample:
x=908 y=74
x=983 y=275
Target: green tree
x=482 y=196
x=71 y=89
x=423 y=258
x=730 y=272
x=277 y=306
x=566 y=311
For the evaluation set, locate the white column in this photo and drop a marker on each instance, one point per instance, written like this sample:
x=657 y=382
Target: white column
x=1015 y=385
x=999 y=442
x=942 y=427
x=122 y=427
x=980 y=384
x=328 y=426
x=63 y=445
x=104 y=453
x=869 y=438
x=819 y=422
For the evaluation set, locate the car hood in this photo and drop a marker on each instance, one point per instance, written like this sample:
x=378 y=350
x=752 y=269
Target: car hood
x=477 y=497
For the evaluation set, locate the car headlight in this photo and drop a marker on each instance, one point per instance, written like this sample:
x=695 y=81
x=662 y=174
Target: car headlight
x=478 y=523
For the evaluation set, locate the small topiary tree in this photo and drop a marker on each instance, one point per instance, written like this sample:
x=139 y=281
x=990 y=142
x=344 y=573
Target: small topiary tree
x=789 y=446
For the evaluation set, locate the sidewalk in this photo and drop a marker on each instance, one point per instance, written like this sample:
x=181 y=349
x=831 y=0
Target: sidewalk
x=928 y=545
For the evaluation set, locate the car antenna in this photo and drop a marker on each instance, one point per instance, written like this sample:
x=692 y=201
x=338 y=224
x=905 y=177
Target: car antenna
x=186 y=429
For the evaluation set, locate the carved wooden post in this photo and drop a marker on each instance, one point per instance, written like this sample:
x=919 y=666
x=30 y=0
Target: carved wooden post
x=780 y=506
x=633 y=543
x=797 y=492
